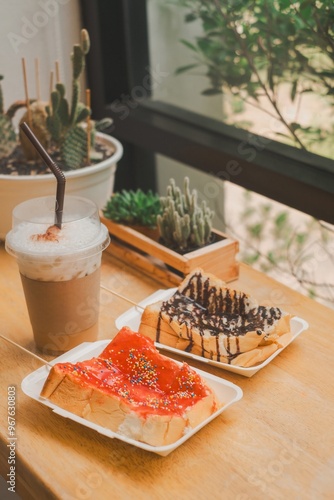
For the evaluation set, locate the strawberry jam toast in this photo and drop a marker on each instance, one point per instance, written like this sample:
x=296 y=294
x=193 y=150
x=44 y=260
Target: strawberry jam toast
x=132 y=389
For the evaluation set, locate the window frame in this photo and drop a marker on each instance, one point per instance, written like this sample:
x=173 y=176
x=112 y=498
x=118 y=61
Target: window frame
x=296 y=178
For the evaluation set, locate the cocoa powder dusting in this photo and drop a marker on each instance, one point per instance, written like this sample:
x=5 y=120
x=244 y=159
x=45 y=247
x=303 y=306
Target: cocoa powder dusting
x=51 y=234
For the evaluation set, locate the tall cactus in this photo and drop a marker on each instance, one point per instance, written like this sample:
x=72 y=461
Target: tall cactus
x=58 y=119
x=64 y=120
x=184 y=224
x=78 y=66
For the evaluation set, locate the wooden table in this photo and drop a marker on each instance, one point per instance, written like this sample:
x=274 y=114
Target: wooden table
x=277 y=442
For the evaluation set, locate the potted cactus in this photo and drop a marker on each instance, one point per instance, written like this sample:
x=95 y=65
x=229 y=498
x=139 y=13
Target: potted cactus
x=184 y=225
x=87 y=156
x=183 y=237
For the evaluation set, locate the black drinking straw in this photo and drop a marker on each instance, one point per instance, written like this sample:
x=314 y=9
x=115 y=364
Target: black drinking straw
x=61 y=179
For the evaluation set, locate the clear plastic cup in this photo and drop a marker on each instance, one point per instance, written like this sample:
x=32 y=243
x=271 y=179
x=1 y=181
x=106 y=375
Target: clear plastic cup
x=60 y=269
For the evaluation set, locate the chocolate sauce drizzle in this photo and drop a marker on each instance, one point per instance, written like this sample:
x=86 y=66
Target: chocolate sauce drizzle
x=199 y=305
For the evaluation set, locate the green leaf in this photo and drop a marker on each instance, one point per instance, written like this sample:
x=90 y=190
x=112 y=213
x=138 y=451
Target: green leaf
x=301 y=238
x=248 y=212
x=306 y=13
x=189 y=45
x=293 y=90
x=295 y=126
x=183 y=69
x=326 y=74
x=251 y=259
x=190 y=17
x=285 y=4
x=266 y=208
x=271 y=257
x=212 y=91
x=283 y=135
x=281 y=219
x=256 y=230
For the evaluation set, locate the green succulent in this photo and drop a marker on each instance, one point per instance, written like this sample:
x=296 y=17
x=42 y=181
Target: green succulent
x=134 y=207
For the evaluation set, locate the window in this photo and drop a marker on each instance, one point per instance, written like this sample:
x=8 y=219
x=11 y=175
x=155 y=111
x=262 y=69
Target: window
x=265 y=66
x=167 y=124
x=122 y=76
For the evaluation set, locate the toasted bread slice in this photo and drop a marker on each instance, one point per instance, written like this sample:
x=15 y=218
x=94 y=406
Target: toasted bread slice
x=132 y=389
x=210 y=320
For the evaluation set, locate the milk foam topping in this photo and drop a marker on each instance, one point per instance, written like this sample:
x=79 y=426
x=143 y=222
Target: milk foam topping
x=75 y=253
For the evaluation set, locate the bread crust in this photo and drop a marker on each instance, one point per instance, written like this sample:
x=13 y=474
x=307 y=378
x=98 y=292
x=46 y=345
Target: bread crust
x=208 y=319
x=114 y=409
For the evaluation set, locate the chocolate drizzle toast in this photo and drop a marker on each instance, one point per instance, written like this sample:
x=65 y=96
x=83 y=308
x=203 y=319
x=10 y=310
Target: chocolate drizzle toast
x=206 y=318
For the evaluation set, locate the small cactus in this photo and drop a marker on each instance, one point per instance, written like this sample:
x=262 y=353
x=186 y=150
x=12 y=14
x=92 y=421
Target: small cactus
x=37 y=115
x=8 y=139
x=184 y=224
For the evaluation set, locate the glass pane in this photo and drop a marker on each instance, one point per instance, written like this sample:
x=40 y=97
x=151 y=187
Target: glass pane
x=266 y=66
x=165 y=29
x=286 y=244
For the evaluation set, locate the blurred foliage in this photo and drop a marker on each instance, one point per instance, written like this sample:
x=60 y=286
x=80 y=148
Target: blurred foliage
x=277 y=57
x=251 y=49
x=278 y=245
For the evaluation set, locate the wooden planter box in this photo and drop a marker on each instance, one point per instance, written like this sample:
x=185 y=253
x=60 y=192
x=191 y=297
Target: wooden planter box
x=140 y=248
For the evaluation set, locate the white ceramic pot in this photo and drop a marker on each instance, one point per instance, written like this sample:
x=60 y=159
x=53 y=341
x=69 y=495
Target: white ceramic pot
x=95 y=183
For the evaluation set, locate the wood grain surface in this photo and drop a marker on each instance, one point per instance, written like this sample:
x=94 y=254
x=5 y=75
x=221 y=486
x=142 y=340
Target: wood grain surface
x=276 y=443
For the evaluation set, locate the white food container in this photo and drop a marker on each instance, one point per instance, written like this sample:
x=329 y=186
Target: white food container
x=226 y=394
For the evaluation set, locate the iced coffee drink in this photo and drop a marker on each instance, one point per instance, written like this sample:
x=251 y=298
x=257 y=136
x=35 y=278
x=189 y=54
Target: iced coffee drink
x=60 y=269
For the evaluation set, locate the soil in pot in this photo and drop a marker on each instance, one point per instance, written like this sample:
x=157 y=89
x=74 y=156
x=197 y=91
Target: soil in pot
x=16 y=163
x=213 y=238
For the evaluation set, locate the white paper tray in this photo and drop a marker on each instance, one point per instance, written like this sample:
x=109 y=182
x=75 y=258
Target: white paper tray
x=132 y=318
x=226 y=393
